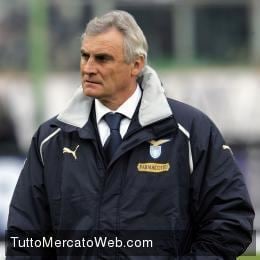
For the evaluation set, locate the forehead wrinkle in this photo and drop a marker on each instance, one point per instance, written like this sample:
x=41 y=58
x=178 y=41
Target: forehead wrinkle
x=103 y=43
x=99 y=49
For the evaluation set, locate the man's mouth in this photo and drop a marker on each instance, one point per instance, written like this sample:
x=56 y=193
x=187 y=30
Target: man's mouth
x=91 y=82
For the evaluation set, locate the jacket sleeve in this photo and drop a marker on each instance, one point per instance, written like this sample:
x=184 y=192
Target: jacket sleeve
x=221 y=209
x=29 y=214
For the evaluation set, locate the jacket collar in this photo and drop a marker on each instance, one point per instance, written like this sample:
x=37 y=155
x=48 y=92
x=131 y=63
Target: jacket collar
x=153 y=107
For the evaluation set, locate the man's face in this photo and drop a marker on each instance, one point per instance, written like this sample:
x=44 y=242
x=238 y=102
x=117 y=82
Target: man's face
x=104 y=72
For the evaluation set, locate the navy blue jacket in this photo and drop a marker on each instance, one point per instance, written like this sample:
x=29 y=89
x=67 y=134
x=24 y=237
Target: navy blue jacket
x=173 y=173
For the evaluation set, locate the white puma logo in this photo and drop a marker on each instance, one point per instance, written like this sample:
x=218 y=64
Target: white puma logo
x=67 y=150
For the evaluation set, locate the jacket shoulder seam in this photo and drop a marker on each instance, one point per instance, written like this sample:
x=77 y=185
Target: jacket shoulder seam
x=187 y=134
x=184 y=131
x=46 y=140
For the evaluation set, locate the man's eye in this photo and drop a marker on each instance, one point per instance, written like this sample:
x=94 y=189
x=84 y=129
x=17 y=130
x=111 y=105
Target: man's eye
x=102 y=58
x=85 y=56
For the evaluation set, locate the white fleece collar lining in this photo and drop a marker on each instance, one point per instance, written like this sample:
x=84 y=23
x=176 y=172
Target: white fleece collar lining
x=154 y=105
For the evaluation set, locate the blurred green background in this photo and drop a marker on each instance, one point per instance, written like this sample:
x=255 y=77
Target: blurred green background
x=207 y=53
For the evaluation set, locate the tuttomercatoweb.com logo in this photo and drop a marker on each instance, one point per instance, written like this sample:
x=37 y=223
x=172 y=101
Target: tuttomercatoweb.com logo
x=95 y=242
x=101 y=243
x=63 y=243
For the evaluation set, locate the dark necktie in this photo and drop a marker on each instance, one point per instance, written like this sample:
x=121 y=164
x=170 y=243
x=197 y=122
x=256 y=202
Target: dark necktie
x=114 y=140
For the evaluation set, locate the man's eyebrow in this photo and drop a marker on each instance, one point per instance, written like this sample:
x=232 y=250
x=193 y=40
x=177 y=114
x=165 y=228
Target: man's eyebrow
x=98 y=54
x=83 y=51
x=103 y=54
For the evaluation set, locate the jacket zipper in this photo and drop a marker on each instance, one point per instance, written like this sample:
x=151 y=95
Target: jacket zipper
x=102 y=159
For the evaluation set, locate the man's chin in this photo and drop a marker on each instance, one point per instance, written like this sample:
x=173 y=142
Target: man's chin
x=90 y=92
x=91 y=89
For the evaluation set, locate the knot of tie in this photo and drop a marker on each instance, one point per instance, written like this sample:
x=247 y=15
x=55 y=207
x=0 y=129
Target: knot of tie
x=113 y=142
x=113 y=120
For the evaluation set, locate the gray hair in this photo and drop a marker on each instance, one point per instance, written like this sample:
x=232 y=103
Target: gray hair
x=135 y=43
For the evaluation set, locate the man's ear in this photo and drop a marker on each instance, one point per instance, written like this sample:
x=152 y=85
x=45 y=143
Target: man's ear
x=137 y=65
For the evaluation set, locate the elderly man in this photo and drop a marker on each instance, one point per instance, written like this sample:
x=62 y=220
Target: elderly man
x=123 y=157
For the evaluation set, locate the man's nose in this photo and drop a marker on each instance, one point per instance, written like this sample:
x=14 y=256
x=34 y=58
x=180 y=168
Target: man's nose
x=89 y=66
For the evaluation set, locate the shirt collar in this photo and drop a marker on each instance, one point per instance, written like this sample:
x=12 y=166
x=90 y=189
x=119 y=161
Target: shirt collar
x=127 y=108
